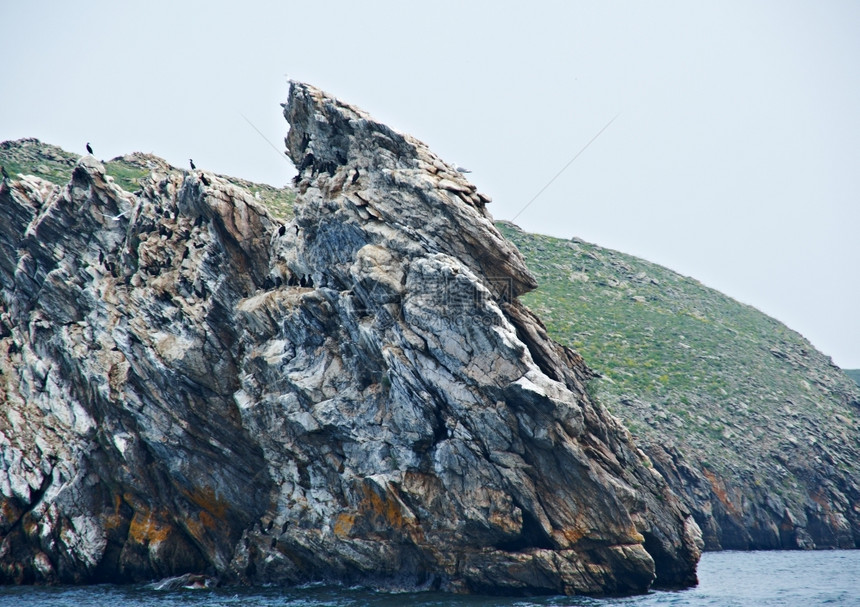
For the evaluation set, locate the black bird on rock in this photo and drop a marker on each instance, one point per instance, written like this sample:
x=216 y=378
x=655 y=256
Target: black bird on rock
x=281 y=230
x=302 y=281
x=5 y=174
x=89 y=148
x=204 y=180
x=191 y=161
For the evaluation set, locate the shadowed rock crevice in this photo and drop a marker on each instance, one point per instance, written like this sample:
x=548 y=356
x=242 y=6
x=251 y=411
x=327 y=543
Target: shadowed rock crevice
x=532 y=535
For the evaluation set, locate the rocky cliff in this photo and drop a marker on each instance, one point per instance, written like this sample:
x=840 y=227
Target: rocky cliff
x=355 y=396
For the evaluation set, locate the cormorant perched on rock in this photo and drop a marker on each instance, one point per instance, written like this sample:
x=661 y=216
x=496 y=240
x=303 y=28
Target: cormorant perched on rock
x=5 y=174
x=89 y=148
x=292 y=281
x=310 y=280
x=302 y=281
x=281 y=230
x=192 y=164
x=297 y=230
x=205 y=181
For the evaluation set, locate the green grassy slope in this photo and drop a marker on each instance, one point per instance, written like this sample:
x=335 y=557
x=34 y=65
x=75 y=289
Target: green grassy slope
x=710 y=364
x=685 y=366
x=32 y=157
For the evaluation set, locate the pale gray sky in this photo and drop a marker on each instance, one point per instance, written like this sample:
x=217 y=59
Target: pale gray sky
x=735 y=157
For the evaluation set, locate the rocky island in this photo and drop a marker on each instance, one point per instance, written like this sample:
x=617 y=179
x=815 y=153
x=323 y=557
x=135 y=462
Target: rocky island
x=356 y=395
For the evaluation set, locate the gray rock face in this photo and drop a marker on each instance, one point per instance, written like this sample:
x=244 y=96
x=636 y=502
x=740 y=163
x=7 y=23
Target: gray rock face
x=174 y=403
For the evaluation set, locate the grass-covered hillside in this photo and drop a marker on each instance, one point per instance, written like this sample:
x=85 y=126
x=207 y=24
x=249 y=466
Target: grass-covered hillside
x=661 y=338
x=737 y=393
x=32 y=157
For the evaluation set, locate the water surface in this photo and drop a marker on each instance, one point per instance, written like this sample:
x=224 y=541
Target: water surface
x=727 y=579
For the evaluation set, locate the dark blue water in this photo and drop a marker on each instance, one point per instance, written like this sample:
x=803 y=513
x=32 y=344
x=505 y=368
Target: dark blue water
x=727 y=579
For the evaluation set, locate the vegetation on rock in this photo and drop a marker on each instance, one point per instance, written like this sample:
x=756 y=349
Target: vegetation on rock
x=33 y=157
x=748 y=402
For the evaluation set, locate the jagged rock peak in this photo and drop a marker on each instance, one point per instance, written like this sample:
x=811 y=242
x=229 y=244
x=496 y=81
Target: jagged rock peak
x=342 y=154
x=426 y=301
x=357 y=396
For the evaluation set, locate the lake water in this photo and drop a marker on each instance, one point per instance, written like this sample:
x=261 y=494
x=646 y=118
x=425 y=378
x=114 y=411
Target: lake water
x=727 y=579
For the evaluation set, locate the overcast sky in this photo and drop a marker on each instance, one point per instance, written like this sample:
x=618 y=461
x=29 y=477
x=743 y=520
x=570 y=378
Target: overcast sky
x=734 y=158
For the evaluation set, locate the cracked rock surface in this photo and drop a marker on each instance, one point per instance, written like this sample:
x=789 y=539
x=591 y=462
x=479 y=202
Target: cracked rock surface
x=175 y=401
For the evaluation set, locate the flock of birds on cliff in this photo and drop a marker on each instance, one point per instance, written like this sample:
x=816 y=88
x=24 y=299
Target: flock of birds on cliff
x=306 y=280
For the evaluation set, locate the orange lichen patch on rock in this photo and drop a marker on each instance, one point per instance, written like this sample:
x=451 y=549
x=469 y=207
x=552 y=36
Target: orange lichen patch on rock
x=571 y=535
x=148 y=527
x=210 y=520
x=208 y=500
x=380 y=510
x=720 y=491
x=343 y=524
x=203 y=528
x=385 y=507
x=579 y=528
x=113 y=520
